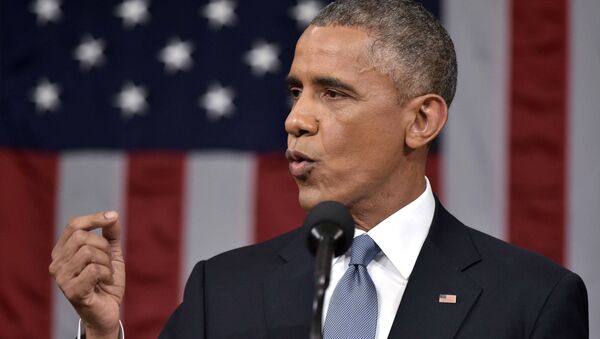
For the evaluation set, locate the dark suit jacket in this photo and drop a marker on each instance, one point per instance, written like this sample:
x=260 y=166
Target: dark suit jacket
x=265 y=291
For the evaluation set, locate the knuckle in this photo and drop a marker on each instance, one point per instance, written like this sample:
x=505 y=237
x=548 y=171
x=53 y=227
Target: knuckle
x=86 y=252
x=105 y=246
x=52 y=268
x=86 y=302
x=73 y=223
x=93 y=269
x=80 y=236
x=101 y=258
x=54 y=254
x=106 y=275
x=101 y=273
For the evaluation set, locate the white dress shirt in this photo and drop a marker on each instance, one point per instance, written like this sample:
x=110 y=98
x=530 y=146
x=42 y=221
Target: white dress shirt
x=400 y=237
x=121 y=330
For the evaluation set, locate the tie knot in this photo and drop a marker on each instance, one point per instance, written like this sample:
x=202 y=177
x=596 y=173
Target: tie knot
x=364 y=249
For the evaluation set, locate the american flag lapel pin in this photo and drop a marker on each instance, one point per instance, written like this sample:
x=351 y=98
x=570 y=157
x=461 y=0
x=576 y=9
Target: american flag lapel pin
x=447 y=299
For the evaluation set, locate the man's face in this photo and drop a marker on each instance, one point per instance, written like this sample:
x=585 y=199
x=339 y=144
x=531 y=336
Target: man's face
x=346 y=127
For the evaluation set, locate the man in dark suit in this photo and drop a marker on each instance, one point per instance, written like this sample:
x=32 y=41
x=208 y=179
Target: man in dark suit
x=371 y=83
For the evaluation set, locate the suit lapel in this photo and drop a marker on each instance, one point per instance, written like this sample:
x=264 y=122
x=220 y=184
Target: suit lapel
x=447 y=253
x=288 y=292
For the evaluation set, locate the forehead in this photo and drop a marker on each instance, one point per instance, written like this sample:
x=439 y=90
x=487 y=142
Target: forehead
x=330 y=37
x=333 y=46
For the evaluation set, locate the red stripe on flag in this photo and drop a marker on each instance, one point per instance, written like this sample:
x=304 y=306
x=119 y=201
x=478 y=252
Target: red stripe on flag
x=277 y=208
x=538 y=126
x=153 y=241
x=27 y=201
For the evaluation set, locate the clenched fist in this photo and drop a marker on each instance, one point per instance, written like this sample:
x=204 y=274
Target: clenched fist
x=90 y=271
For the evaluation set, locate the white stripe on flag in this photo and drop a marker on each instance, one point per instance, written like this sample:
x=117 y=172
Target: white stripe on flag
x=584 y=139
x=474 y=144
x=87 y=182
x=219 y=205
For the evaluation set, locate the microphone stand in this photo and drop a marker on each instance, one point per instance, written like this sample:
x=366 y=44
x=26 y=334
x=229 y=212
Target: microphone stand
x=322 y=272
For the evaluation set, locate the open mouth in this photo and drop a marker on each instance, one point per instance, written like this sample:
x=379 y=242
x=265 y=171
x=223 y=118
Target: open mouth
x=299 y=163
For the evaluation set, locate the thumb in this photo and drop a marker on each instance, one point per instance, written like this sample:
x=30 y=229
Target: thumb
x=112 y=231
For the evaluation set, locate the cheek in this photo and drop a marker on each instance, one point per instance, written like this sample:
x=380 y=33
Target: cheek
x=342 y=133
x=362 y=139
x=347 y=155
x=363 y=154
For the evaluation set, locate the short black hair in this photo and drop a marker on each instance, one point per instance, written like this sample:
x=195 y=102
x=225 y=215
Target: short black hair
x=410 y=45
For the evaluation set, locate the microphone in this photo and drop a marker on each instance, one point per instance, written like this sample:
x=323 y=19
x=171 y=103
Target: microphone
x=331 y=231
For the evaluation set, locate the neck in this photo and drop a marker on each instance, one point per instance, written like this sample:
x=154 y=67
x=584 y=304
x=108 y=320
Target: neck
x=367 y=214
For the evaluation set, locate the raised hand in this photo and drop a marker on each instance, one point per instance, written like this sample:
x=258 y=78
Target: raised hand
x=90 y=271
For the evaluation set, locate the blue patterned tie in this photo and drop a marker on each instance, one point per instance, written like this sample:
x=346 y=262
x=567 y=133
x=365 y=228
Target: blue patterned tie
x=353 y=307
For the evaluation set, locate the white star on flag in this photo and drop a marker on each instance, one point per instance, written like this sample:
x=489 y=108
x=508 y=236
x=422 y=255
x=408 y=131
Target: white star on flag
x=262 y=58
x=45 y=96
x=133 y=12
x=220 y=13
x=305 y=11
x=46 y=10
x=132 y=100
x=176 y=55
x=89 y=53
x=218 y=102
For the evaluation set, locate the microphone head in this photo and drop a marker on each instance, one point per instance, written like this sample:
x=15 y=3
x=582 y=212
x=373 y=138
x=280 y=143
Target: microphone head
x=330 y=219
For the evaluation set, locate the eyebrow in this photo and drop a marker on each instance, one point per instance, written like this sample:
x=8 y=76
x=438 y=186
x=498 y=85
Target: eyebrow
x=292 y=81
x=323 y=82
x=333 y=82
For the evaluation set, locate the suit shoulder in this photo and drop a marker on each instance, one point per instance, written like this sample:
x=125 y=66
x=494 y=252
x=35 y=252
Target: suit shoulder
x=516 y=262
x=494 y=254
x=542 y=295
x=257 y=254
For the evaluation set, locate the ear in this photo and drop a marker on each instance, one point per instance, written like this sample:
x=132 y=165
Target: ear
x=430 y=114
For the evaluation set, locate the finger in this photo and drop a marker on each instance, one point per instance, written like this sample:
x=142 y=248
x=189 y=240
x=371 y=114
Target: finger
x=87 y=223
x=112 y=231
x=65 y=271
x=86 y=255
x=78 y=239
x=78 y=288
x=61 y=256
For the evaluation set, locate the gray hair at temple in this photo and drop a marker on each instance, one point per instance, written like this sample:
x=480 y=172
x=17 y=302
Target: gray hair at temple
x=410 y=45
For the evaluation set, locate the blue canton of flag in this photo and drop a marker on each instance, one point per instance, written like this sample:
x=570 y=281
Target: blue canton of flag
x=142 y=74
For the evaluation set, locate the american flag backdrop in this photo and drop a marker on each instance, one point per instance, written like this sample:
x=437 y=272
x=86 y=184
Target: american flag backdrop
x=172 y=112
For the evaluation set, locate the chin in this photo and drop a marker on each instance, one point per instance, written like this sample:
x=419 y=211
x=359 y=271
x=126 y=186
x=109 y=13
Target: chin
x=306 y=204
x=308 y=197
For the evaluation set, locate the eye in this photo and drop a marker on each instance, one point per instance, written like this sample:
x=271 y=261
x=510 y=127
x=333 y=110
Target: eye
x=333 y=94
x=294 y=92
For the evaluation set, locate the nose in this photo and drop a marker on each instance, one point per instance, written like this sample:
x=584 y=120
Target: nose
x=301 y=121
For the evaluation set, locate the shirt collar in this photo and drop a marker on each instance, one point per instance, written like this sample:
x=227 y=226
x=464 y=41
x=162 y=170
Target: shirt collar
x=401 y=235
